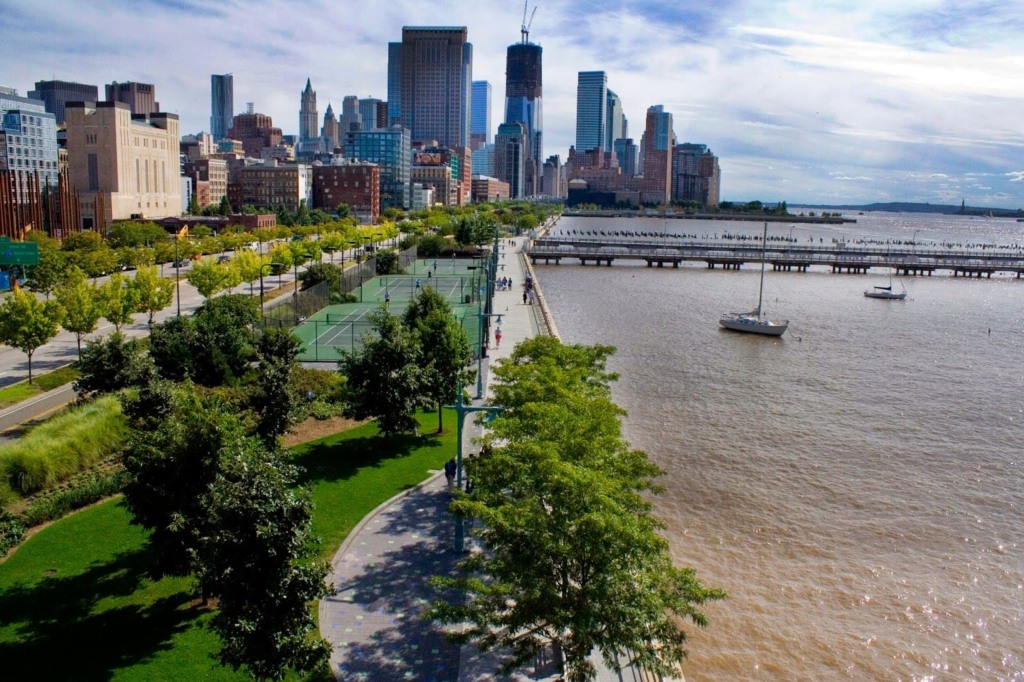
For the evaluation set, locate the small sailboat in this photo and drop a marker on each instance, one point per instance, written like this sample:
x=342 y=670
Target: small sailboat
x=755 y=322
x=886 y=293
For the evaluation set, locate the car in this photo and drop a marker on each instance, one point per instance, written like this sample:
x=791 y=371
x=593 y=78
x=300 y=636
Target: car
x=180 y=263
x=223 y=259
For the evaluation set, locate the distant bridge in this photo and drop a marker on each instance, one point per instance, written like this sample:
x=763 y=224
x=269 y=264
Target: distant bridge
x=732 y=255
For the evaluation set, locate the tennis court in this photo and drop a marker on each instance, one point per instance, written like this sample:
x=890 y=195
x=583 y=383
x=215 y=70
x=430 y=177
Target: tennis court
x=342 y=327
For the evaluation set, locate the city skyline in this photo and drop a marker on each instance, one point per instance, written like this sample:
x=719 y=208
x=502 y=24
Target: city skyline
x=850 y=103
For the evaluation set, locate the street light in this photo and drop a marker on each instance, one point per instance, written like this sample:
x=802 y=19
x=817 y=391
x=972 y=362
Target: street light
x=461 y=410
x=265 y=265
x=914 y=240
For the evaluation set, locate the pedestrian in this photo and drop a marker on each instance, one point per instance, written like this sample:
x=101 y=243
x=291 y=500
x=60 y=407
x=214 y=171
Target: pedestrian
x=417 y=284
x=429 y=274
x=449 y=473
x=387 y=297
x=524 y=296
x=532 y=296
x=497 y=337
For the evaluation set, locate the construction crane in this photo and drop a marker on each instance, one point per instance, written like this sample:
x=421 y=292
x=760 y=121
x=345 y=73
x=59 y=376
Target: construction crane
x=525 y=30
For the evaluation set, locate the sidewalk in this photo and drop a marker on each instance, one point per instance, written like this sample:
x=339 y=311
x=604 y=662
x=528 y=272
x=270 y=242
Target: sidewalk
x=374 y=622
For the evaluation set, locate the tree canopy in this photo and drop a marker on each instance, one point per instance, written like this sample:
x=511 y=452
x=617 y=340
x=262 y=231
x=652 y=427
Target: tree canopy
x=573 y=555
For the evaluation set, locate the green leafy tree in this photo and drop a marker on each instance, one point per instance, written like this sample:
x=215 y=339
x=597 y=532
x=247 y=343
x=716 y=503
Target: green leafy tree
x=224 y=207
x=111 y=364
x=82 y=241
x=119 y=300
x=273 y=401
x=193 y=205
x=207 y=277
x=256 y=555
x=444 y=348
x=232 y=275
x=96 y=262
x=133 y=234
x=320 y=272
x=387 y=262
x=573 y=554
x=281 y=259
x=49 y=273
x=249 y=265
x=342 y=210
x=154 y=293
x=384 y=378
x=26 y=323
x=82 y=303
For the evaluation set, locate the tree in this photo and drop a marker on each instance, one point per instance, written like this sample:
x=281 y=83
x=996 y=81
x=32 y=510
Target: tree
x=111 y=364
x=256 y=555
x=280 y=259
x=119 y=300
x=154 y=293
x=224 y=208
x=321 y=272
x=444 y=348
x=82 y=303
x=193 y=205
x=232 y=275
x=207 y=277
x=48 y=274
x=26 y=323
x=342 y=210
x=96 y=262
x=132 y=234
x=249 y=265
x=384 y=377
x=387 y=262
x=573 y=555
x=273 y=402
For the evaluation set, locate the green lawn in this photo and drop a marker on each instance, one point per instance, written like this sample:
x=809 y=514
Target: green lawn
x=16 y=393
x=76 y=601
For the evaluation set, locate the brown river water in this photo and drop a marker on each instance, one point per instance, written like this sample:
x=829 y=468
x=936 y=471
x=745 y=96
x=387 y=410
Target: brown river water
x=856 y=486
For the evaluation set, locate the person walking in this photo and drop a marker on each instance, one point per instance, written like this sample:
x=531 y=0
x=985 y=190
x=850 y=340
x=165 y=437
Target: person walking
x=497 y=337
x=450 y=468
x=524 y=296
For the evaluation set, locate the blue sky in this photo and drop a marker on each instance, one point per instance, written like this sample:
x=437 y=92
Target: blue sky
x=835 y=101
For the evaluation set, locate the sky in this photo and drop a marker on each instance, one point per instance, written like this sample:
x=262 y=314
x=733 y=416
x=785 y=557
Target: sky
x=823 y=102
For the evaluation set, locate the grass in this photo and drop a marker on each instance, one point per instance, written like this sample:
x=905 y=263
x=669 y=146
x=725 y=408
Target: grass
x=76 y=600
x=21 y=391
x=61 y=447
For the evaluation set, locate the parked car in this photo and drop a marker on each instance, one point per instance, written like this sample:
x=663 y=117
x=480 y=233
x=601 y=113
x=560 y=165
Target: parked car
x=223 y=259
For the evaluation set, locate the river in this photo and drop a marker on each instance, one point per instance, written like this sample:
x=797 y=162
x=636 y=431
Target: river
x=856 y=486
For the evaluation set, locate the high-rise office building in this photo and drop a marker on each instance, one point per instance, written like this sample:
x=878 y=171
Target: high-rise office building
x=435 y=83
x=140 y=97
x=510 y=152
x=55 y=94
x=394 y=83
x=373 y=112
x=330 y=130
x=480 y=123
x=659 y=139
x=616 y=127
x=308 y=117
x=222 y=104
x=255 y=132
x=350 y=114
x=591 y=111
x=626 y=152
x=695 y=174
x=523 y=102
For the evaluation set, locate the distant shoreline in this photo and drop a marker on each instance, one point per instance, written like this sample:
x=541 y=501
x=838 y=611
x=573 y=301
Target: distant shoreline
x=749 y=217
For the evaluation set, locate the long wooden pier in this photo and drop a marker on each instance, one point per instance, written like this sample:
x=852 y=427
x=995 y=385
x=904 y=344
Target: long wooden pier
x=733 y=255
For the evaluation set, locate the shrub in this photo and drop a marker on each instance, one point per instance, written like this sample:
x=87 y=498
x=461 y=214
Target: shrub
x=327 y=386
x=318 y=409
x=81 y=492
x=63 y=446
x=12 y=530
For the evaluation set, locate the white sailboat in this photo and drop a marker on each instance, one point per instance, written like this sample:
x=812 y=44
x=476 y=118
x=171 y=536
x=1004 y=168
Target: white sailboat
x=755 y=322
x=886 y=293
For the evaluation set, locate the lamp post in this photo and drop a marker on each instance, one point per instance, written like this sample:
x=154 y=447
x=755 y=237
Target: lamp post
x=914 y=240
x=461 y=410
x=177 y=274
x=265 y=265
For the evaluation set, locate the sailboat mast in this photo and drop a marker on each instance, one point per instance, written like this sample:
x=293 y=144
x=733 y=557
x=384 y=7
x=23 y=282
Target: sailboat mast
x=760 y=291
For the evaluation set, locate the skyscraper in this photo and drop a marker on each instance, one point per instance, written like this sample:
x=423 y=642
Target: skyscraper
x=373 y=112
x=480 y=123
x=350 y=114
x=523 y=102
x=308 y=118
x=510 y=152
x=222 y=104
x=435 y=83
x=615 y=128
x=591 y=111
x=140 y=97
x=656 y=188
x=625 y=152
x=55 y=94
x=330 y=129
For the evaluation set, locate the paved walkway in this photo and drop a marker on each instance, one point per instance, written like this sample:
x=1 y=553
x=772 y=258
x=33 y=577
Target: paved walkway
x=374 y=623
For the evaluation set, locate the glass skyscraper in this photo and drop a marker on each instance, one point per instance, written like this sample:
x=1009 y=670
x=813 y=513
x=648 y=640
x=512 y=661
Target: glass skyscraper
x=591 y=111
x=222 y=104
x=480 y=120
x=523 y=103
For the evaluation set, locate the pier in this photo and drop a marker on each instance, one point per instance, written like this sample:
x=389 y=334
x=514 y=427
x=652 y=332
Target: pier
x=788 y=257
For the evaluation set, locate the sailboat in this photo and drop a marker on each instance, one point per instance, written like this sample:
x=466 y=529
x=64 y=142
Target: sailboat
x=886 y=293
x=755 y=322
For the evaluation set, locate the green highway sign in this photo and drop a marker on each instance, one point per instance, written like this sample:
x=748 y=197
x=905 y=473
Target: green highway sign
x=18 y=253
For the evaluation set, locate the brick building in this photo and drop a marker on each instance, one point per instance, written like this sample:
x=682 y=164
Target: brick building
x=355 y=184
